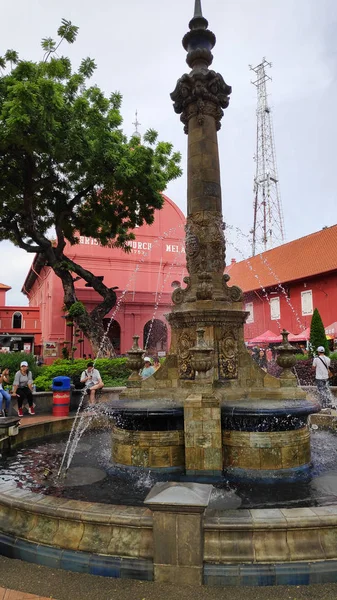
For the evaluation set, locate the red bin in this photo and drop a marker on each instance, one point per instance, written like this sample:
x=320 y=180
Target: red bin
x=61 y=403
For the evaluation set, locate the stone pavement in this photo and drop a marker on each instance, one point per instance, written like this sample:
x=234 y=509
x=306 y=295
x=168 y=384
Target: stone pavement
x=14 y=595
x=48 y=583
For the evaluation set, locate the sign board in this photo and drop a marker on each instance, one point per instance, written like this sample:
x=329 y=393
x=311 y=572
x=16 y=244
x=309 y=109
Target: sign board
x=27 y=347
x=50 y=349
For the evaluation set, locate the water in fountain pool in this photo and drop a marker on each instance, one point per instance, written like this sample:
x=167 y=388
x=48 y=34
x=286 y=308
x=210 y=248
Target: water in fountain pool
x=93 y=478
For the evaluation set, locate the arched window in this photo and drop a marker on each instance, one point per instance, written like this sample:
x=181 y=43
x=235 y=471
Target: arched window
x=114 y=334
x=155 y=336
x=17 y=320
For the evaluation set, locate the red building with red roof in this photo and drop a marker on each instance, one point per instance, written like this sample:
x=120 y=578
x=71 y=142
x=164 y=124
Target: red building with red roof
x=145 y=278
x=283 y=286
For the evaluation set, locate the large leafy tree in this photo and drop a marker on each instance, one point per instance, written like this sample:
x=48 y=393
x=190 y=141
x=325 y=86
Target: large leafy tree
x=66 y=169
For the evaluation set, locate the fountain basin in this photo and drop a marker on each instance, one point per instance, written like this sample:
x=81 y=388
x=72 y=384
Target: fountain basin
x=264 y=439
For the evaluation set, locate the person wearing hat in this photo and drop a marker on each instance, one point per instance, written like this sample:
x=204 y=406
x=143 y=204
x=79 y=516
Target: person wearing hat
x=321 y=366
x=148 y=369
x=23 y=387
x=91 y=377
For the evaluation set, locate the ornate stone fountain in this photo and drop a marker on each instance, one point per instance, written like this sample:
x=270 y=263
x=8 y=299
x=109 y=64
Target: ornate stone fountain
x=236 y=416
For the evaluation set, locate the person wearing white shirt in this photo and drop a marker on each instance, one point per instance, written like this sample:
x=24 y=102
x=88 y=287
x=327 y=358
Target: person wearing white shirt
x=321 y=366
x=92 y=379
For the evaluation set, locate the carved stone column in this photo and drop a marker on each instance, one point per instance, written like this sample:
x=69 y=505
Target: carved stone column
x=200 y=97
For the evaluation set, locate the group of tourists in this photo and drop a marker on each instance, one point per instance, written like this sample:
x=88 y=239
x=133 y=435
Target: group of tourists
x=150 y=368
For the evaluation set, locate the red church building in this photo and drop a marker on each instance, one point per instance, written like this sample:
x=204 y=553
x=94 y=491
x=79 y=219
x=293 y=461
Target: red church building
x=146 y=277
x=283 y=286
x=20 y=327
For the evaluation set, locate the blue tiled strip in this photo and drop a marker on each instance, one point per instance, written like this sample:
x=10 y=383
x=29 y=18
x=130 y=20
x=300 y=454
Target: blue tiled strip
x=295 y=573
x=81 y=562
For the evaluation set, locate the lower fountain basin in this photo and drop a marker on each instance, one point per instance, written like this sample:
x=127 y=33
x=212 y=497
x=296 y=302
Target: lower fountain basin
x=277 y=541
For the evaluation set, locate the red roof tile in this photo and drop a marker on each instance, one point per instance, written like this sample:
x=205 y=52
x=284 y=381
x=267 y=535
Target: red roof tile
x=305 y=257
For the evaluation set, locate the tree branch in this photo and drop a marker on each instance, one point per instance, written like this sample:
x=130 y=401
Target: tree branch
x=94 y=281
x=21 y=243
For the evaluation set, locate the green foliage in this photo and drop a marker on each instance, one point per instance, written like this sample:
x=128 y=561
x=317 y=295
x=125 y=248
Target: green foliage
x=65 y=352
x=317 y=334
x=76 y=310
x=62 y=150
x=66 y=165
x=301 y=356
x=113 y=371
x=12 y=360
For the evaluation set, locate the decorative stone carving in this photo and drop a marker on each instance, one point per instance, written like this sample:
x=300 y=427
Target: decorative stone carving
x=201 y=354
x=185 y=342
x=228 y=356
x=205 y=243
x=286 y=356
x=201 y=93
x=236 y=293
x=205 y=287
x=179 y=294
x=135 y=360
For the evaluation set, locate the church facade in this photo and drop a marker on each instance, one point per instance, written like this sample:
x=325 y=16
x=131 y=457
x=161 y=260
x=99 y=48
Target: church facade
x=146 y=277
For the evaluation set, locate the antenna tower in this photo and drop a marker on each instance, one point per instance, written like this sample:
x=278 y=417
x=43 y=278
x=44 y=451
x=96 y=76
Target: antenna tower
x=268 y=228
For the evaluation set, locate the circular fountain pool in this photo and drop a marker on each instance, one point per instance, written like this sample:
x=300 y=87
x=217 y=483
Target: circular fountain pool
x=93 y=478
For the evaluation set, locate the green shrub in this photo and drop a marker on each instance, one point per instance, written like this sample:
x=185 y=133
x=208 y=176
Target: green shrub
x=317 y=334
x=301 y=356
x=113 y=371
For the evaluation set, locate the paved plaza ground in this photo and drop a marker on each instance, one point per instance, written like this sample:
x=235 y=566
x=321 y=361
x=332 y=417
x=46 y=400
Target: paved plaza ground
x=45 y=583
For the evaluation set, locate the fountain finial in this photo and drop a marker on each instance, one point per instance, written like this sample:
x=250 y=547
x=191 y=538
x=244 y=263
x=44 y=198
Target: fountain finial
x=199 y=41
x=198 y=21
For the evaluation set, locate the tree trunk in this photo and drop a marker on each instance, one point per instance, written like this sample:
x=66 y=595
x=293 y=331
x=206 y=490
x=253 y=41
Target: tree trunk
x=94 y=332
x=91 y=324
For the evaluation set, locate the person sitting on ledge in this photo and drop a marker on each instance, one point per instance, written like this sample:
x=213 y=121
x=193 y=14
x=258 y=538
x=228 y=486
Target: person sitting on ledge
x=4 y=395
x=148 y=369
x=23 y=387
x=92 y=379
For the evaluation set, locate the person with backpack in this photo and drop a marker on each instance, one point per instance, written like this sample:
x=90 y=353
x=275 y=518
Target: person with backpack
x=321 y=366
x=92 y=381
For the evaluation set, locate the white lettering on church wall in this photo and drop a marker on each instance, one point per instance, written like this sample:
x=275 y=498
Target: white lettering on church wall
x=136 y=247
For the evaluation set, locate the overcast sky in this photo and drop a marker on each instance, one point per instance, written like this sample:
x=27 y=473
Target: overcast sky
x=137 y=49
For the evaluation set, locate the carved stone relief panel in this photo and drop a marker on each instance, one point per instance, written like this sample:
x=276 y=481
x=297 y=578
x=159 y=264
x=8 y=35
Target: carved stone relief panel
x=228 y=356
x=186 y=341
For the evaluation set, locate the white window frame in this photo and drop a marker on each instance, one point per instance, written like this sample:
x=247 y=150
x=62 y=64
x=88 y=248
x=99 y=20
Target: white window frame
x=17 y=313
x=249 y=307
x=275 y=308
x=305 y=295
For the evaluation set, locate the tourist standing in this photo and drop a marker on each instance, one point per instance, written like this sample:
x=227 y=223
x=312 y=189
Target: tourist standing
x=261 y=360
x=92 y=379
x=321 y=366
x=4 y=395
x=23 y=387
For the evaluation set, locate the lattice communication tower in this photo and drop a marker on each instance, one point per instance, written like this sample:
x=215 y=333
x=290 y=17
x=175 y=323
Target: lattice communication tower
x=268 y=228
